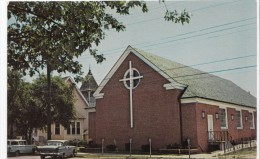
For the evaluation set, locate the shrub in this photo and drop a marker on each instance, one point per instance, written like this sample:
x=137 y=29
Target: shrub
x=146 y=148
x=127 y=146
x=173 y=146
x=93 y=145
x=111 y=147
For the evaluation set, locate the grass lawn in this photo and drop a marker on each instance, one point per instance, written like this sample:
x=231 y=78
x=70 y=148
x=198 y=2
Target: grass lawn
x=245 y=153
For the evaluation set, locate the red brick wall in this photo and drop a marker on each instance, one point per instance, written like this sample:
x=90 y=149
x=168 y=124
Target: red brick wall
x=236 y=133
x=92 y=125
x=202 y=123
x=195 y=127
x=189 y=123
x=156 y=111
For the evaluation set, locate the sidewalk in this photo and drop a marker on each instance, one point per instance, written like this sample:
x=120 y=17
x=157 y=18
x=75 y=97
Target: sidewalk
x=136 y=156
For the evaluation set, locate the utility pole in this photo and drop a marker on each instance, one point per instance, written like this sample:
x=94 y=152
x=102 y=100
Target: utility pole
x=49 y=101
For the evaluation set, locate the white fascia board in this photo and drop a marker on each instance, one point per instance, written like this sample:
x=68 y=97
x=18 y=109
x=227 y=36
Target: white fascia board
x=81 y=95
x=97 y=93
x=217 y=103
x=98 y=96
x=172 y=85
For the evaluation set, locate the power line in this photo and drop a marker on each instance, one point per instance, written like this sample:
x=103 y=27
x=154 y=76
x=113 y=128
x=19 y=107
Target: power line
x=195 y=10
x=199 y=35
x=199 y=64
x=210 y=37
x=197 y=75
x=113 y=50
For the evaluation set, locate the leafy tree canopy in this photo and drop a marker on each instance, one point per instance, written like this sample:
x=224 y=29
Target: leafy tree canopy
x=62 y=99
x=27 y=103
x=54 y=33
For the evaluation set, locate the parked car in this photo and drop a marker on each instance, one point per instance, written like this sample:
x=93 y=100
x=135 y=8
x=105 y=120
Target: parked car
x=57 y=148
x=15 y=146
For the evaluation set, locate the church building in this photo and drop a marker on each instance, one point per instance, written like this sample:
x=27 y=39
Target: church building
x=146 y=98
x=83 y=106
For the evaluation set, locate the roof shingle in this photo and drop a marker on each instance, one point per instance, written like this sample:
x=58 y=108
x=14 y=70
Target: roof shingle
x=201 y=84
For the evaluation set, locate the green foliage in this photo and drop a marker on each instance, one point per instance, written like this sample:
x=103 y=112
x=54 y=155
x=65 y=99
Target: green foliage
x=62 y=99
x=56 y=32
x=22 y=107
x=176 y=17
x=27 y=102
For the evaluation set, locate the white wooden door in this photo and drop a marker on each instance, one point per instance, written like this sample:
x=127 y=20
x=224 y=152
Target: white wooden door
x=210 y=127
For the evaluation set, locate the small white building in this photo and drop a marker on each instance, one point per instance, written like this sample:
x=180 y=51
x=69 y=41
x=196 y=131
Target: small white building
x=78 y=129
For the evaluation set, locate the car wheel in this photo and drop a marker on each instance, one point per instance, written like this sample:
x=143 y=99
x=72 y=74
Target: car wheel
x=74 y=154
x=33 y=151
x=17 y=153
x=42 y=157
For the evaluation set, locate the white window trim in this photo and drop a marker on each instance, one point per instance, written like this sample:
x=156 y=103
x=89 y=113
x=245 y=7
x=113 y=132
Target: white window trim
x=241 y=119
x=226 y=116
x=253 y=120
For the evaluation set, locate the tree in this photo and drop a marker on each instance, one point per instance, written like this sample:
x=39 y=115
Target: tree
x=27 y=103
x=51 y=34
x=14 y=89
x=62 y=100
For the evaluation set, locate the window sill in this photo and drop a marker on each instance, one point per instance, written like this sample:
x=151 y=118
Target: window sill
x=239 y=128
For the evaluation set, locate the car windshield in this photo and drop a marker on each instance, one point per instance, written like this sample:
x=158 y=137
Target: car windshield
x=54 y=143
x=14 y=143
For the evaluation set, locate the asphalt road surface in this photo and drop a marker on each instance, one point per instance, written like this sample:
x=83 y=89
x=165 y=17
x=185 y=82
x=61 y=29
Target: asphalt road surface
x=38 y=157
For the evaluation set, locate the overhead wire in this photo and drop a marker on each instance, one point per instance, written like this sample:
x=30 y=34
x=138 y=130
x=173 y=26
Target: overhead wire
x=184 y=66
x=184 y=38
x=194 y=10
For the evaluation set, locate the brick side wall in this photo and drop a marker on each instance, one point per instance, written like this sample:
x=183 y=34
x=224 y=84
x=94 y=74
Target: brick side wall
x=236 y=133
x=189 y=123
x=196 y=127
x=156 y=111
x=92 y=126
x=202 y=123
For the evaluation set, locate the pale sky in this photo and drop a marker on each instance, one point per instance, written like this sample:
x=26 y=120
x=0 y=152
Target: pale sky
x=218 y=31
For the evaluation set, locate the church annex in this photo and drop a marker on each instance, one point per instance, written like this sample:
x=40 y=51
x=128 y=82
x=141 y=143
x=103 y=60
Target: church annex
x=145 y=96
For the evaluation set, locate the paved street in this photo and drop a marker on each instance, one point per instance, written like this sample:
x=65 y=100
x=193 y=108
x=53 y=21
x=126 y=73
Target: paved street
x=37 y=157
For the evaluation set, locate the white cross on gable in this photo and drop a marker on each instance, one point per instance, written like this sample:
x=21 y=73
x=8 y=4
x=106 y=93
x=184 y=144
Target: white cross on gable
x=131 y=86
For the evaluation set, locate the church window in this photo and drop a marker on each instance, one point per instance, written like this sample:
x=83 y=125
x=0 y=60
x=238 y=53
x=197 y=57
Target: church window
x=74 y=128
x=238 y=119
x=78 y=127
x=57 y=129
x=223 y=118
x=135 y=81
x=251 y=120
x=68 y=130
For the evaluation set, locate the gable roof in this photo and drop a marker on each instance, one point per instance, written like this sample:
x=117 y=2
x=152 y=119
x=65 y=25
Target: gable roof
x=77 y=89
x=202 y=84
x=197 y=83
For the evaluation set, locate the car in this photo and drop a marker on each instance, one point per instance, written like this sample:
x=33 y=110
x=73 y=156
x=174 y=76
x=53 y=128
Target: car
x=17 y=147
x=57 y=148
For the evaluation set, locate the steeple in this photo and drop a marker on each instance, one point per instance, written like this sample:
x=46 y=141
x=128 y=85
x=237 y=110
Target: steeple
x=89 y=86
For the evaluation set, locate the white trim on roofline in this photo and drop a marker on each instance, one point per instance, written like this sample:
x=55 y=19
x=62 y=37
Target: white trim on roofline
x=217 y=103
x=172 y=85
x=81 y=95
